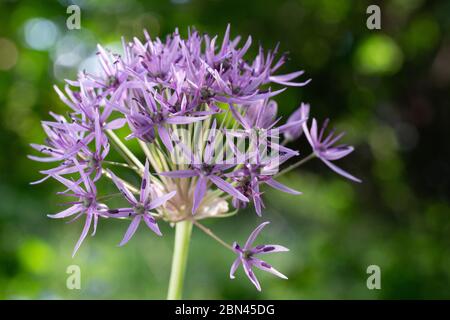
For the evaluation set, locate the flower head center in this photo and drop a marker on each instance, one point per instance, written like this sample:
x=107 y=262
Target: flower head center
x=207 y=93
x=93 y=162
x=157 y=118
x=139 y=208
x=112 y=82
x=88 y=201
x=248 y=254
x=206 y=169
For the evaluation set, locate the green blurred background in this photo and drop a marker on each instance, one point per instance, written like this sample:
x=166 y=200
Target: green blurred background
x=389 y=89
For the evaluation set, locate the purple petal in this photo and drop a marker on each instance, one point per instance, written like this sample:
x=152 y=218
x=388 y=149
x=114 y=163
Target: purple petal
x=40 y=180
x=277 y=185
x=284 y=149
x=116 y=124
x=301 y=113
x=62 y=169
x=250 y=274
x=228 y=188
x=131 y=230
x=120 y=212
x=69 y=184
x=253 y=235
x=268 y=248
x=292 y=125
x=95 y=224
x=267 y=95
x=244 y=49
x=179 y=174
x=258 y=203
x=66 y=213
x=292 y=84
x=151 y=223
x=199 y=193
x=45 y=159
x=187 y=153
x=161 y=200
x=184 y=119
x=145 y=184
x=64 y=98
x=210 y=143
x=313 y=132
x=165 y=138
x=267 y=267
x=336 y=153
x=239 y=117
x=288 y=77
x=234 y=267
x=308 y=135
x=84 y=233
x=340 y=171
x=267 y=114
x=126 y=193
x=98 y=133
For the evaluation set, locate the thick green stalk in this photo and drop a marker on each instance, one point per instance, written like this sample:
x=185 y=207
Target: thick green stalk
x=183 y=231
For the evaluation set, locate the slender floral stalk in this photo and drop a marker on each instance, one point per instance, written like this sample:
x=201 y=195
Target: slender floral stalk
x=183 y=231
x=120 y=164
x=212 y=235
x=122 y=148
x=296 y=165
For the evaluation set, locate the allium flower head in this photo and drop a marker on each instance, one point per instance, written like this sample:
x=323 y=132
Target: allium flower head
x=202 y=112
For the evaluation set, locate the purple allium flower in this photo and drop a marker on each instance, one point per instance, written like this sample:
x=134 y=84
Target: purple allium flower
x=85 y=205
x=91 y=161
x=141 y=208
x=62 y=144
x=247 y=256
x=251 y=176
x=91 y=113
x=148 y=115
x=323 y=147
x=66 y=143
x=260 y=117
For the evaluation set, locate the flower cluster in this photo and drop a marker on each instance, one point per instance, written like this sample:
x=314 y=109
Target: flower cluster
x=178 y=98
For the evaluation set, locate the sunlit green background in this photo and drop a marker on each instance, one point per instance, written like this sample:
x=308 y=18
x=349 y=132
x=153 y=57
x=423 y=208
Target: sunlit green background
x=389 y=89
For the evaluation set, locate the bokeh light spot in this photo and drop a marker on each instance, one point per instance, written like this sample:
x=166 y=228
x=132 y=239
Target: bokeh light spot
x=40 y=33
x=422 y=35
x=35 y=256
x=8 y=54
x=378 y=55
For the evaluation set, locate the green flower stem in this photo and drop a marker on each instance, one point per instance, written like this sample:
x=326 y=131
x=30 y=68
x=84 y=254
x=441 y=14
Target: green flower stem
x=296 y=165
x=212 y=235
x=183 y=232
